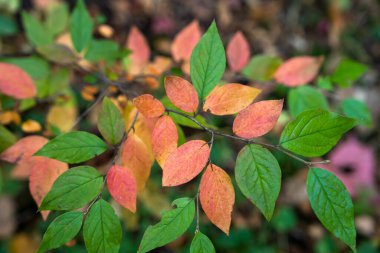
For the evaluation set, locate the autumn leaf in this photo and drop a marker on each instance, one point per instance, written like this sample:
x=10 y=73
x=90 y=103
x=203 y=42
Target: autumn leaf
x=31 y=126
x=257 y=119
x=230 y=98
x=149 y=106
x=136 y=157
x=15 y=82
x=238 y=52
x=185 y=163
x=185 y=41
x=164 y=139
x=217 y=197
x=298 y=70
x=181 y=93
x=122 y=186
x=140 y=51
x=42 y=176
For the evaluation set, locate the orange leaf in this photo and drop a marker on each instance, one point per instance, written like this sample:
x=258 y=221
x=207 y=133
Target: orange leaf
x=164 y=139
x=31 y=126
x=298 y=70
x=217 y=197
x=21 y=153
x=140 y=50
x=230 y=98
x=122 y=186
x=136 y=157
x=181 y=93
x=257 y=119
x=185 y=163
x=238 y=52
x=149 y=106
x=42 y=176
x=15 y=82
x=185 y=41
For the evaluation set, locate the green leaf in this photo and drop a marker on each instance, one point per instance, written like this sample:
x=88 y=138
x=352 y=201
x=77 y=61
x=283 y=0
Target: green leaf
x=73 y=189
x=102 y=230
x=35 y=30
x=324 y=82
x=7 y=138
x=57 y=53
x=358 y=110
x=207 y=62
x=313 y=133
x=332 y=204
x=8 y=26
x=347 y=73
x=73 y=147
x=63 y=229
x=172 y=225
x=36 y=67
x=110 y=122
x=305 y=98
x=262 y=67
x=57 y=18
x=103 y=50
x=258 y=176
x=81 y=26
x=201 y=244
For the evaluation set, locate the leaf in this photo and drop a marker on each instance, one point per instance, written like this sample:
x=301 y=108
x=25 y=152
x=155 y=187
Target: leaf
x=347 y=73
x=136 y=157
x=185 y=41
x=102 y=230
x=332 y=204
x=238 y=52
x=164 y=139
x=258 y=176
x=313 y=133
x=15 y=82
x=230 y=98
x=31 y=126
x=140 y=55
x=172 y=225
x=305 y=98
x=110 y=122
x=181 y=93
x=73 y=147
x=43 y=173
x=36 y=67
x=57 y=18
x=57 y=53
x=201 y=244
x=207 y=62
x=103 y=50
x=62 y=230
x=149 y=106
x=257 y=119
x=122 y=187
x=185 y=163
x=262 y=67
x=73 y=189
x=217 y=197
x=81 y=26
x=35 y=30
x=7 y=139
x=357 y=110
x=298 y=70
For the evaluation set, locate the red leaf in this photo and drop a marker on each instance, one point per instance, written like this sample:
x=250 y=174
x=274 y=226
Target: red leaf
x=122 y=186
x=257 y=119
x=217 y=197
x=43 y=174
x=185 y=163
x=181 y=93
x=149 y=106
x=185 y=41
x=136 y=157
x=164 y=139
x=230 y=98
x=298 y=70
x=15 y=82
x=140 y=50
x=238 y=52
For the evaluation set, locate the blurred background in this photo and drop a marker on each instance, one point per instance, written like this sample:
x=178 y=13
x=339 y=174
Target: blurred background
x=336 y=29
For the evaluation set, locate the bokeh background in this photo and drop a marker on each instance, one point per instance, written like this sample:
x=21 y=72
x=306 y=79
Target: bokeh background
x=336 y=29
